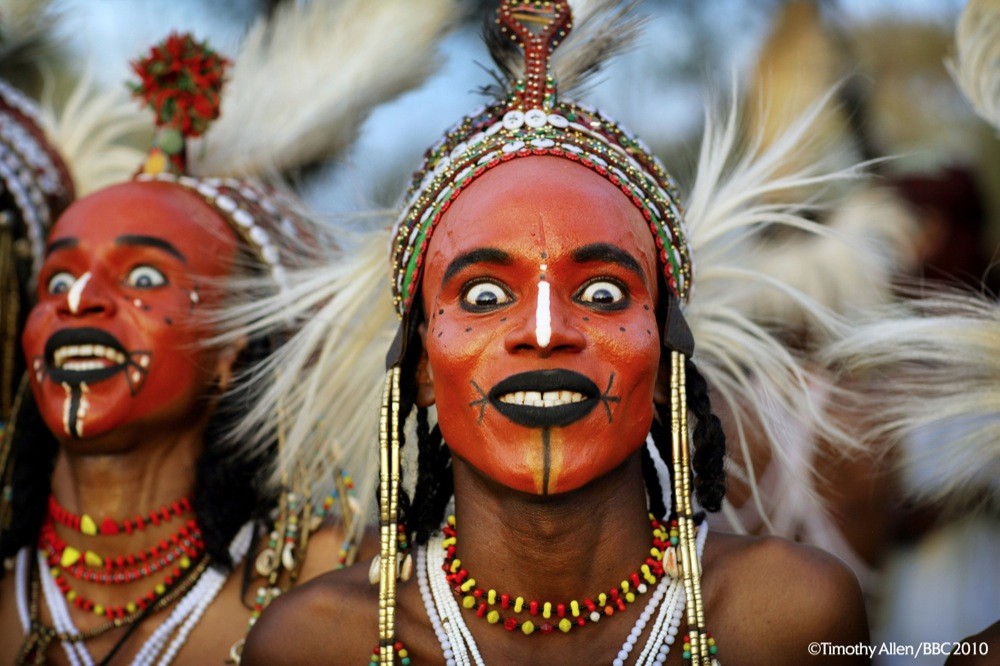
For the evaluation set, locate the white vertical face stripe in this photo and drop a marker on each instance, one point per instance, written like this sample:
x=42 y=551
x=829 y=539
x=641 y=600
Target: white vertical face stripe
x=543 y=315
x=76 y=291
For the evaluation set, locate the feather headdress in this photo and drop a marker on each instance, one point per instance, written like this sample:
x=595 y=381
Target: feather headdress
x=976 y=67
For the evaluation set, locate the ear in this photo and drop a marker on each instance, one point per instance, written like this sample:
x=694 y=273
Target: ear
x=661 y=390
x=225 y=361
x=425 y=378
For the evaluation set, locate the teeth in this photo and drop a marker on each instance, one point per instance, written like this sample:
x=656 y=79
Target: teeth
x=539 y=399
x=80 y=354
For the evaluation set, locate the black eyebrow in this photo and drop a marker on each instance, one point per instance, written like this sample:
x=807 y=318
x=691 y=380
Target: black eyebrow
x=150 y=241
x=488 y=255
x=61 y=244
x=609 y=254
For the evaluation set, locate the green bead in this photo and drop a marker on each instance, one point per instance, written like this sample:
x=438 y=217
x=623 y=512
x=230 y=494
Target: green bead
x=713 y=650
x=170 y=141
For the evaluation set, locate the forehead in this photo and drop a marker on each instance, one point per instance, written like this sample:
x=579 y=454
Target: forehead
x=163 y=210
x=536 y=205
x=159 y=210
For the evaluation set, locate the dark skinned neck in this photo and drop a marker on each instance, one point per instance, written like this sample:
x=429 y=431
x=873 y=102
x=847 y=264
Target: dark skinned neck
x=552 y=548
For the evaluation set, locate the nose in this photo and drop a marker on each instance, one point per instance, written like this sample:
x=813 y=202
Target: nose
x=547 y=328
x=88 y=296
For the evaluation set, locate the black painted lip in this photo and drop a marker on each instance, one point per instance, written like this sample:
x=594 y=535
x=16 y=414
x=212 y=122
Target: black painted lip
x=81 y=336
x=542 y=381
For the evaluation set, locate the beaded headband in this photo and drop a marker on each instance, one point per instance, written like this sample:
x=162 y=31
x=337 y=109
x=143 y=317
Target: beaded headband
x=181 y=80
x=532 y=121
x=31 y=171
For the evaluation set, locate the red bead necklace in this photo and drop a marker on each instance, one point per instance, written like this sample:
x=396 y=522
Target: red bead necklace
x=91 y=567
x=564 y=616
x=87 y=525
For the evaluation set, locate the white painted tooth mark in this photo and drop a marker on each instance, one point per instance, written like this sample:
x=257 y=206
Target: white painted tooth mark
x=543 y=316
x=76 y=291
x=66 y=406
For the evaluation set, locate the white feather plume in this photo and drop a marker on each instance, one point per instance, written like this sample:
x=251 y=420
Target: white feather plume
x=736 y=199
x=307 y=77
x=96 y=132
x=976 y=68
x=327 y=377
x=931 y=369
x=23 y=24
x=870 y=240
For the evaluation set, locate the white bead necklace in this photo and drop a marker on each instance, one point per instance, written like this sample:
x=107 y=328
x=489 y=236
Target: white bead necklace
x=155 y=650
x=459 y=647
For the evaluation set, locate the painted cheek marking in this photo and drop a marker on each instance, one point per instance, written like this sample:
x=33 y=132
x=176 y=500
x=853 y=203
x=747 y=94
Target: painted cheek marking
x=76 y=291
x=543 y=313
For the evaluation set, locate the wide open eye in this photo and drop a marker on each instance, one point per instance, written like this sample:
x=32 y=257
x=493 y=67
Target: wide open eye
x=60 y=283
x=484 y=295
x=145 y=277
x=603 y=293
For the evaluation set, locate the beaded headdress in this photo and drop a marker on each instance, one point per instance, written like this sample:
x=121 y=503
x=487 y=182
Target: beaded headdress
x=534 y=121
x=181 y=80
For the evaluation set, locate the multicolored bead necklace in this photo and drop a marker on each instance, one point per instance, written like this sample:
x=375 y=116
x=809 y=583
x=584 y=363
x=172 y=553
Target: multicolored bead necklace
x=93 y=568
x=489 y=604
x=174 y=554
x=108 y=526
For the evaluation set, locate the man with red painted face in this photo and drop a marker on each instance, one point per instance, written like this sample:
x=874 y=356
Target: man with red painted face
x=540 y=267
x=138 y=529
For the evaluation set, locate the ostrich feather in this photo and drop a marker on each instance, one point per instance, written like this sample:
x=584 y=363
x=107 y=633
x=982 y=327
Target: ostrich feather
x=932 y=369
x=24 y=24
x=743 y=192
x=92 y=131
x=976 y=67
x=306 y=78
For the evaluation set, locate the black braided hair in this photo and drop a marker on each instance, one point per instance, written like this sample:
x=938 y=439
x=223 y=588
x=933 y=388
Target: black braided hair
x=33 y=456
x=709 y=447
x=228 y=483
x=709 y=443
x=434 y=485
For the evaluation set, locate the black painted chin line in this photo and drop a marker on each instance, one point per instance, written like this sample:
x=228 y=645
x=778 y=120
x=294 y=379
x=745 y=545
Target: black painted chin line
x=607 y=398
x=73 y=410
x=546 y=459
x=136 y=370
x=481 y=403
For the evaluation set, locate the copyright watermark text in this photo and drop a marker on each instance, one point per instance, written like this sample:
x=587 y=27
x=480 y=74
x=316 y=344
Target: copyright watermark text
x=924 y=649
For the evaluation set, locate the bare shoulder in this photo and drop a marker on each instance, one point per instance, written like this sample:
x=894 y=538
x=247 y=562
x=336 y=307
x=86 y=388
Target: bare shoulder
x=771 y=599
x=330 y=619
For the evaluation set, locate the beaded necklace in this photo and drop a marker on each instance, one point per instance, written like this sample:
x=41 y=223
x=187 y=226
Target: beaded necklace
x=159 y=648
x=563 y=616
x=87 y=525
x=94 y=568
x=459 y=647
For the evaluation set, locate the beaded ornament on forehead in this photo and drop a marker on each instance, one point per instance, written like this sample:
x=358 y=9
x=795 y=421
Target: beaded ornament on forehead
x=532 y=121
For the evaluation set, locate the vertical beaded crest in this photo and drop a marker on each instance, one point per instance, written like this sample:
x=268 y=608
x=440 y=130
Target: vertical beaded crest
x=538 y=28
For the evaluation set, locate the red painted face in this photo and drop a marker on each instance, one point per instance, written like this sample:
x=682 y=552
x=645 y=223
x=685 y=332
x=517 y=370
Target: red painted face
x=540 y=289
x=112 y=344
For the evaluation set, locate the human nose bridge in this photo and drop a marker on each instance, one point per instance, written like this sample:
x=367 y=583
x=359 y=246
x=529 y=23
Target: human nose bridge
x=87 y=295
x=550 y=324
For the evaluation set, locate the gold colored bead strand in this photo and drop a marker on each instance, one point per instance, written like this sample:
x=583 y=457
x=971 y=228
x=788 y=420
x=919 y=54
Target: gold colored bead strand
x=384 y=633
